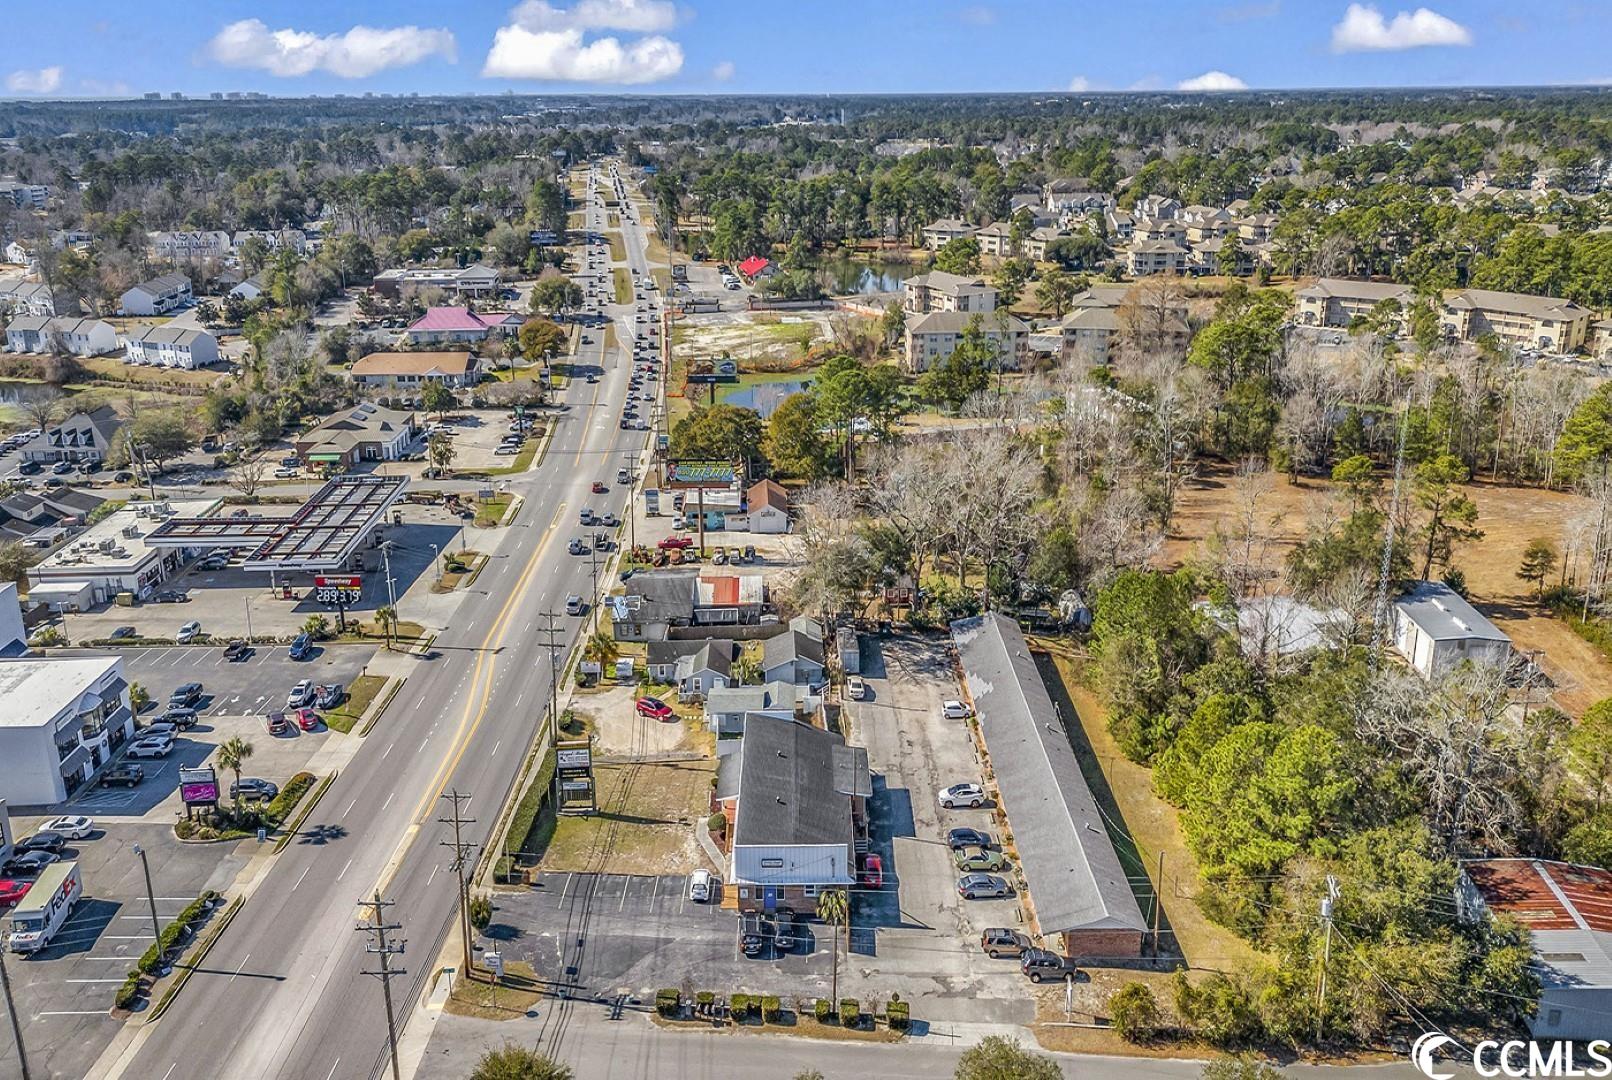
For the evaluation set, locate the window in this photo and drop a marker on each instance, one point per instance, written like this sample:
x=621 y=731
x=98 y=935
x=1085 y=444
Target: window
x=1553 y=1018
x=810 y=891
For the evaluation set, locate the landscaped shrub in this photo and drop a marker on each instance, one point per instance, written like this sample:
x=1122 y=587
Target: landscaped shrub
x=481 y=911
x=717 y=822
x=739 y=1005
x=771 y=1009
x=703 y=1001
x=822 y=1008
x=1134 y=1012
x=289 y=796
x=898 y=1013
x=151 y=960
x=129 y=993
x=850 y=1011
x=667 y=1002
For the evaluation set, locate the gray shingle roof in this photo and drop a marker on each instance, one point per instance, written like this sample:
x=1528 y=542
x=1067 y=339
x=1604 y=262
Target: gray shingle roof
x=1074 y=873
x=796 y=783
x=789 y=646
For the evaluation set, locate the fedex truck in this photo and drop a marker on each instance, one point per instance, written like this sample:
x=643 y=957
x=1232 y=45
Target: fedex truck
x=37 y=917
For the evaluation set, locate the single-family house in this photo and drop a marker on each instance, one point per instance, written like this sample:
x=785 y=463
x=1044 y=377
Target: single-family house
x=755 y=268
x=411 y=370
x=664 y=656
x=705 y=669
x=1436 y=629
x=796 y=655
x=158 y=296
x=249 y=289
x=728 y=709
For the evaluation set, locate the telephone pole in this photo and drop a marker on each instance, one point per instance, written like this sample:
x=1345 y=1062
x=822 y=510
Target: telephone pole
x=385 y=950
x=461 y=859
x=16 y=1021
x=551 y=641
x=1326 y=953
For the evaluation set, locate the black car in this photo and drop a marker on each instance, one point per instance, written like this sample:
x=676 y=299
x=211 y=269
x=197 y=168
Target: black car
x=790 y=933
x=963 y=837
x=252 y=789
x=178 y=717
x=30 y=864
x=237 y=650
x=127 y=774
x=755 y=930
x=172 y=596
x=42 y=841
x=186 y=696
x=1041 y=964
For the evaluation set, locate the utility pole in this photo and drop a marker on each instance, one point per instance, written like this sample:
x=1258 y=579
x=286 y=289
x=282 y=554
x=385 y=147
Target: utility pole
x=391 y=595
x=385 y=950
x=11 y=1011
x=551 y=633
x=460 y=860
x=151 y=895
x=1326 y=953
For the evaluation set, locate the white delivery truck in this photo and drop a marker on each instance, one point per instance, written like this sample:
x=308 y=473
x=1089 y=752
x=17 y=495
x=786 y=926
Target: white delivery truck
x=35 y=920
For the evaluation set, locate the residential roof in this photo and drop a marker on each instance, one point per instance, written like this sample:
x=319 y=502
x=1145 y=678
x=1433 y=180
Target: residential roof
x=774 y=696
x=767 y=493
x=168 y=334
x=1092 y=318
x=948 y=224
x=1567 y=909
x=414 y=363
x=955 y=322
x=1101 y=296
x=450 y=318
x=714 y=654
x=670 y=651
x=1357 y=289
x=1441 y=613
x=1537 y=307
x=164 y=283
x=727 y=590
x=754 y=265
x=790 y=646
x=796 y=783
x=657 y=596
x=1149 y=247
x=946 y=282
x=995 y=228
x=38 y=689
x=1074 y=873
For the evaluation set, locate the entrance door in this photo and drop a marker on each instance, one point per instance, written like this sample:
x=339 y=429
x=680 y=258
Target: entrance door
x=769 y=898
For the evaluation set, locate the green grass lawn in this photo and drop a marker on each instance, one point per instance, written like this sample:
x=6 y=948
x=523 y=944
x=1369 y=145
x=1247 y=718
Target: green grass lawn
x=359 y=695
x=623 y=285
x=618 y=247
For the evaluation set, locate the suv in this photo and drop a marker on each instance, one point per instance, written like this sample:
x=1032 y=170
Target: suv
x=789 y=933
x=301 y=647
x=573 y=604
x=999 y=941
x=278 y=724
x=300 y=695
x=754 y=931
x=151 y=746
x=124 y=774
x=251 y=789
x=1041 y=964
x=186 y=696
x=180 y=718
x=970 y=795
x=329 y=695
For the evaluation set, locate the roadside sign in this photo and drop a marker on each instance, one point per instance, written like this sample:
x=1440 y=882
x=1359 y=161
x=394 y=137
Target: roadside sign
x=699 y=474
x=338 y=588
x=198 y=786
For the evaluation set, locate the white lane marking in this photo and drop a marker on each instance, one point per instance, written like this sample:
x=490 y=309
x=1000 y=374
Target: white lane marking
x=350 y=806
x=496 y=745
x=388 y=751
x=432 y=876
x=388 y=801
x=423 y=743
x=344 y=870
x=244 y=959
x=170 y=1071
x=300 y=877
x=328 y=1075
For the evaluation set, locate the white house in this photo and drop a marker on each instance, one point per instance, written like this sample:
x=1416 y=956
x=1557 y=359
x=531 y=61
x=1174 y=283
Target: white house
x=250 y=289
x=1435 y=629
x=173 y=346
x=22 y=297
x=767 y=508
x=79 y=337
x=63 y=720
x=158 y=296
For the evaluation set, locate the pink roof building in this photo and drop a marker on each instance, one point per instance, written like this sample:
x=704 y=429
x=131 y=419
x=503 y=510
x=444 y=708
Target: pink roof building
x=445 y=324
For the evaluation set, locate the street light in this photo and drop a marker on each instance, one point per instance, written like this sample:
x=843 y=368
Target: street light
x=151 y=897
x=435 y=553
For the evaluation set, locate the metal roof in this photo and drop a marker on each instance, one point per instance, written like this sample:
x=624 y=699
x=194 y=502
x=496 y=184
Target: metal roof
x=320 y=535
x=1440 y=613
x=1075 y=877
x=1566 y=908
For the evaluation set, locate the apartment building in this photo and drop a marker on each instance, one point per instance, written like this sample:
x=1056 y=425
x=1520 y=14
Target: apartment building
x=996 y=239
x=937 y=234
x=24 y=196
x=940 y=291
x=1147 y=257
x=1340 y=301
x=190 y=245
x=172 y=346
x=1549 y=323
x=158 y=296
x=934 y=336
x=42 y=334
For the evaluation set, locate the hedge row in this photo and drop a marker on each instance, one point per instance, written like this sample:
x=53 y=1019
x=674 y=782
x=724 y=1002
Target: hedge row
x=151 y=960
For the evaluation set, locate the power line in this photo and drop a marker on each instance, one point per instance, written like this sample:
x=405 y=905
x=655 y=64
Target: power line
x=385 y=951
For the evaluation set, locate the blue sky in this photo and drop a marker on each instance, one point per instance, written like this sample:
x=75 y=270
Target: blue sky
x=83 y=48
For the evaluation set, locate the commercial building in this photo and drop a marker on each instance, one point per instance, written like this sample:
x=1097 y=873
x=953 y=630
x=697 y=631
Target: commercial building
x=1435 y=629
x=767 y=508
x=445 y=325
x=158 y=296
x=656 y=602
x=795 y=799
x=1079 y=891
x=411 y=370
x=114 y=555
x=475 y=280
x=1339 y=302
x=365 y=432
x=64 y=718
x=1567 y=911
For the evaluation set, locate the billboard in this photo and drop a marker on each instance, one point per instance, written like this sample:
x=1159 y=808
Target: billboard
x=699 y=474
x=198 y=786
x=574 y=757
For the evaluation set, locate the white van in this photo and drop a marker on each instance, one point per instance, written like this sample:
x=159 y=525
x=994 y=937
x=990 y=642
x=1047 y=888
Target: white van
x=37 y=917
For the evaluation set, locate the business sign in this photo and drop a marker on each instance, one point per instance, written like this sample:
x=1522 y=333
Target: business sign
x=574 y=757
x=338 y=588
x=700 y=474
x=542 y=236
x=198 y=786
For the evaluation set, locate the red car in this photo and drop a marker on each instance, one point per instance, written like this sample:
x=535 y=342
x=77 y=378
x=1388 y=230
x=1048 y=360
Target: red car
x=676 y=542
x=655 y=709
x=307 y=719
x=599 y=488
x=872 y=875
x=12 y=891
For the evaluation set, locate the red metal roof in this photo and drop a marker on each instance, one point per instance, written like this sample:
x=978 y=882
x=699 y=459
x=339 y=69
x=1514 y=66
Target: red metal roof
x=1523 y=888
x=754 y=265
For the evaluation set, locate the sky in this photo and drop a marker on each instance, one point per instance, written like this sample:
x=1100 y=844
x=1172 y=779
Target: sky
x=98 y=48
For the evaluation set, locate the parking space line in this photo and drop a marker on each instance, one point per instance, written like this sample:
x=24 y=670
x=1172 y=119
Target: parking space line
x=328 y=1075
x=74 y=1012
x=92 y=980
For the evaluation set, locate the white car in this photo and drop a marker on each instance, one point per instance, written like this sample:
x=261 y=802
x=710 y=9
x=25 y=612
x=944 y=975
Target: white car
x=300 y=695
x=970 y=795
x=702 y=886
x=150 y=748
x=955 y=710
x=73 y=826
x=188 y=633
x=855 y=688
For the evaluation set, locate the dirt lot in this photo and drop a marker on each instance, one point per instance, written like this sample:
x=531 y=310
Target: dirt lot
x=1509 y=516
x=756 y=339
x=649 y=811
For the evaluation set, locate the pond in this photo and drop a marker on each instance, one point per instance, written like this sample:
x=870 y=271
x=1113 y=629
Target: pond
x=764 y=397
x=844 y=276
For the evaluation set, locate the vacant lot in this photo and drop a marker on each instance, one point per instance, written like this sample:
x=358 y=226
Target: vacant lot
x=648 y=812
x=768 y=340
x=1509 y=516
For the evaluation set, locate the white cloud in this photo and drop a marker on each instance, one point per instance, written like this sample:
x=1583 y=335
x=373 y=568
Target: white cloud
x=39 y=81
x=978 y=15
x=633 y=16
x=359 y=53
x=1363 y=29
x=99 y=88
x=546 y=43
x=723 y=71
x=1079 y=84
x=1211 y=81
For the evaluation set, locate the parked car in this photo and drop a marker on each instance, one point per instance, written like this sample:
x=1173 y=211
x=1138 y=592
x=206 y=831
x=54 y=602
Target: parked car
x=44 y=840
x=172 y=596
x=855 y=688
x=278 y=724
x=982 y=887
x=975 y=858
x=123 y=774
x=161 y=729
x=214 y=562
x=871 y=873
x=1041 y=964
x=185 y=696
x=307 y=719
x=755 y=931
x=702 y=886
x=965 y=837
x=28 y=864
x=999 y=941
x=151 y=747
x=300 y=695
x=12 y=891
x=654 y=708
x=251 y=789
x=301 y=647
x=671 y=542
x=72 y=826
x=329 y=695
x=237 y=650
x=121 y=632
x=969 y=795
x=62 y=468
x=180 y=718
x=788 y=933
x=955 y=710
x=608 y=520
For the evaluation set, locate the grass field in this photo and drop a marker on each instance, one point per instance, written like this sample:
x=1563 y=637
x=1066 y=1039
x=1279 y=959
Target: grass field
x=359 y=695
x=618 y=247
x=623 y=285
x=646 y=825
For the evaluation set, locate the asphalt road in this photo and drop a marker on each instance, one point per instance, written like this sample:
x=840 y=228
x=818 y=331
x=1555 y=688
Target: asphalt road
x=283 y=994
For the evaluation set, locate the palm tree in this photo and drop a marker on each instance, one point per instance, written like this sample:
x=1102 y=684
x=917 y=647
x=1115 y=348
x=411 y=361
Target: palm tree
x=386 y=615
x=232 y=754
x=834 y=908
x=602 y=647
